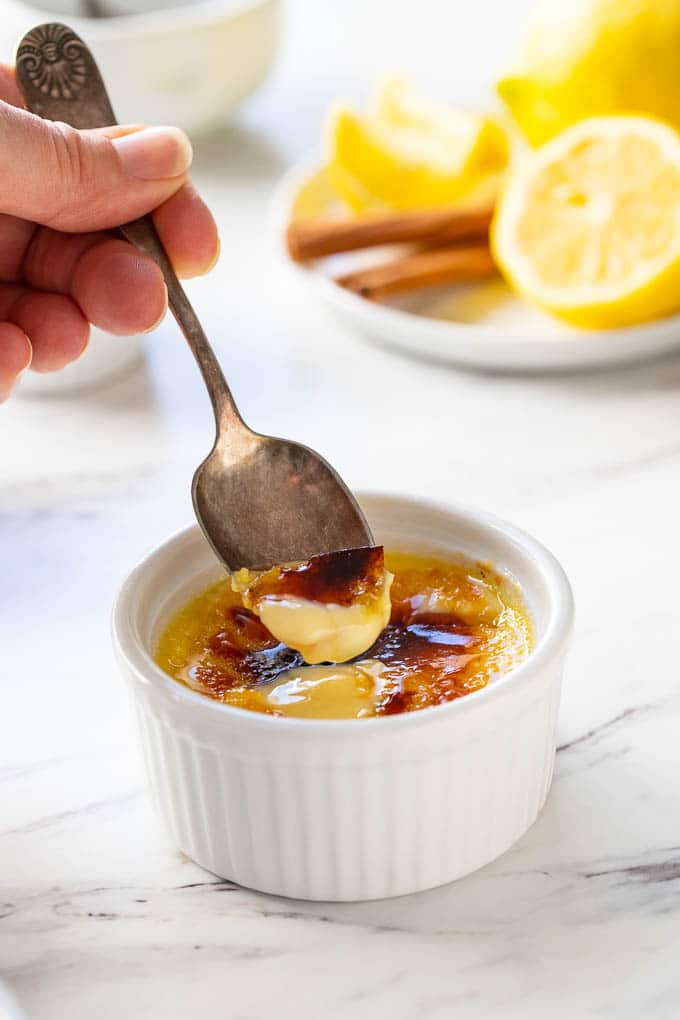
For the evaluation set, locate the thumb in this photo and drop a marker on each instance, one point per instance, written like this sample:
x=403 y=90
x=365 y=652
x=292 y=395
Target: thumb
x=72 y=180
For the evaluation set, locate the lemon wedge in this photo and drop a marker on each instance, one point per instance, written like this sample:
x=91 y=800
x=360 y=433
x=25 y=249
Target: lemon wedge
x=588 y=226
x=407 y=153
x=316 y=199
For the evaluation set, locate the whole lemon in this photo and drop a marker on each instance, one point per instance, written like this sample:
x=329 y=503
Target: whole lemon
x=586 y=57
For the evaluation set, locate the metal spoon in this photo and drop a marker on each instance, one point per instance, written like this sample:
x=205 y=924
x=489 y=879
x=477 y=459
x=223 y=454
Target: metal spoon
x=260 y=501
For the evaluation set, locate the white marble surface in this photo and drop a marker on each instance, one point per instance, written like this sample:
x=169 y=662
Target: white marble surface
x=99 y=916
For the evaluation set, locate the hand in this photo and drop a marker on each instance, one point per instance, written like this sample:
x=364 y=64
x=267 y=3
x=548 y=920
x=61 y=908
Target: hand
x=61 y=265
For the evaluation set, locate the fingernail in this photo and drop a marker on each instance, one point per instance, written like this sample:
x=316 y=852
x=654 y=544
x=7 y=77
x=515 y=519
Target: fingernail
x=155 y=153
x=29 y=357
x=191 y=272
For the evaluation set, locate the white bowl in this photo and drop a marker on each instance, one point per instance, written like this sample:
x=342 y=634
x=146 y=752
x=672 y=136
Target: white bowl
x=188 y=64
x=106 y=359
x=351 y=809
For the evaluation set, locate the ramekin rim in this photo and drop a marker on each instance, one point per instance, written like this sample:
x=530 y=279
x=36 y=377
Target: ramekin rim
x=550 y=646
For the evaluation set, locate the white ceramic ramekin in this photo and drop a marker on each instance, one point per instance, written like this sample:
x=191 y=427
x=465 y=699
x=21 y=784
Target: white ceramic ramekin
x=351 y=809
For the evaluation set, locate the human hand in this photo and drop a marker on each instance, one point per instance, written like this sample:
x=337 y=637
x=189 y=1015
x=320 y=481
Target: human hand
x=62 y=266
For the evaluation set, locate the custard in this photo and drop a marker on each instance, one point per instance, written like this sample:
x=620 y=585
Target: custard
x=330 y=608
x=453 y=626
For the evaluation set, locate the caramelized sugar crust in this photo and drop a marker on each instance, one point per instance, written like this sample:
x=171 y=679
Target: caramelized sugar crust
x=339 y=578
x=453 y=627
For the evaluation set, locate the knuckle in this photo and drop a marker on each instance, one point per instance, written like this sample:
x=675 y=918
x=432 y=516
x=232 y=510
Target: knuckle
x=73 y=171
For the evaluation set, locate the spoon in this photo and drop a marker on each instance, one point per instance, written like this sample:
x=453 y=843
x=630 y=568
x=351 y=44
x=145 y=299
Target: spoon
x=260 y=501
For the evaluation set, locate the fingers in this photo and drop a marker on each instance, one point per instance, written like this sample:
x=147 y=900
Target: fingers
x=81 y=183
x=48 y=260
x=15 y=356
x=57 y=329
x=116 y=287
x=51 y=258
x=188 y=232
x=119 y=289
x=86 y=180
x=17 y=236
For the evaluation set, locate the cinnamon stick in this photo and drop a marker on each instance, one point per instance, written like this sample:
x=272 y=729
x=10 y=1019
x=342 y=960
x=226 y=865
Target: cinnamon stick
x=314 y=238
x=459 y=264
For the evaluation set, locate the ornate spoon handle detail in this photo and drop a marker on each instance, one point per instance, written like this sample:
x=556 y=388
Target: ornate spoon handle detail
x=59 y=78
x=61 y=81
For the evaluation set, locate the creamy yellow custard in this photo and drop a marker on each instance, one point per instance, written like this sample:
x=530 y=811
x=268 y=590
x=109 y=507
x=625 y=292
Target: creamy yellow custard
x=330 y=608
x=453 y=626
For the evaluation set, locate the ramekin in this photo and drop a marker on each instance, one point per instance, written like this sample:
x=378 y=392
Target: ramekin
x=351 y=809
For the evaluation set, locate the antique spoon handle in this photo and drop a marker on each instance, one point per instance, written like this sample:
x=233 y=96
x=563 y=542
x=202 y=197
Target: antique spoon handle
x=61 y=81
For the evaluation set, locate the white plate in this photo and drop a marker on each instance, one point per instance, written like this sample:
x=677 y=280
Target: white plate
x=480 y=326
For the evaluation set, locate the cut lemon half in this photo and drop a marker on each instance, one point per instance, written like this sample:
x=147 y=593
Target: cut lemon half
x=407 y=153
x=588 y=227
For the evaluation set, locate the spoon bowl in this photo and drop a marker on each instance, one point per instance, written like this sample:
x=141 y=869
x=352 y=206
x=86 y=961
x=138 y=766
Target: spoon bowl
x=262 y=501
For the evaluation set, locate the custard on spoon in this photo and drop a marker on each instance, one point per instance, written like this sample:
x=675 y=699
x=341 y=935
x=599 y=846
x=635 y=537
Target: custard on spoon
x=330 y=608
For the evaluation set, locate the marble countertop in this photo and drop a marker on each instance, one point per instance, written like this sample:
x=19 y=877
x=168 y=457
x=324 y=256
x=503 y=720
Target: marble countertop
x=99 y=915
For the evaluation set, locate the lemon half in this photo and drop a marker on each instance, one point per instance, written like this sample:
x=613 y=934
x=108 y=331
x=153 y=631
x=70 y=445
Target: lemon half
x=588 y=226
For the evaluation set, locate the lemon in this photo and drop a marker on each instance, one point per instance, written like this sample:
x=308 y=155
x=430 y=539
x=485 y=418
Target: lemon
x=316 y=199
x=586 y=57
x=407 y=153
x=588 y=226
x=476 y=142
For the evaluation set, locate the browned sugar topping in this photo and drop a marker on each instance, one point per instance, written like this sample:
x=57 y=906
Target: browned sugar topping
x=340 y=578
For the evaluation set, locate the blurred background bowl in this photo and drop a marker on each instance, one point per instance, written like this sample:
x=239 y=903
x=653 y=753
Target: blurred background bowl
x=164 y=61
x=106 y=359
